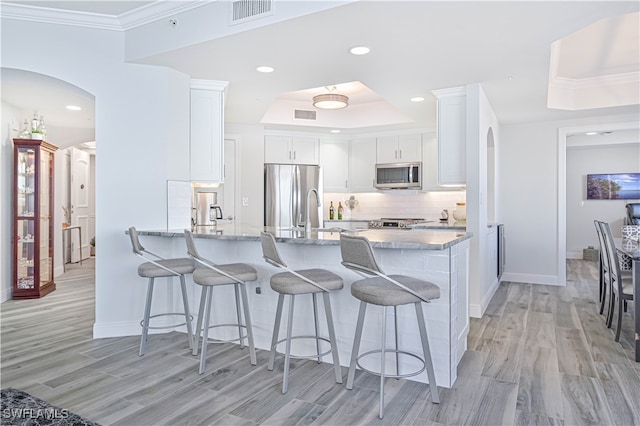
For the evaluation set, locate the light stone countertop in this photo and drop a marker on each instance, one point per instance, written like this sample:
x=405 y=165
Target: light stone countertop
x=438 y=224
x=418 y=239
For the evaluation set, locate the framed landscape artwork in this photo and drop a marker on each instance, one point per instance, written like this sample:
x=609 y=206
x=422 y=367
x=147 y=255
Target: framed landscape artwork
x=615 y=186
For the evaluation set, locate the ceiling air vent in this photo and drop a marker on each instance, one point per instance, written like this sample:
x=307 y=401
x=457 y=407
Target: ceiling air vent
x=304 y=115
x=247 y=10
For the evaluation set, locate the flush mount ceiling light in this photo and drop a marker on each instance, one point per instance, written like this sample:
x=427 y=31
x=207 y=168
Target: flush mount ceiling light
x=330 y=100
x=73 y=108
x=264 y=68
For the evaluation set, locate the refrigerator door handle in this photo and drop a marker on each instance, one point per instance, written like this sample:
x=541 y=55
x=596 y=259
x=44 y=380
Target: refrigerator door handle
x=295 y=198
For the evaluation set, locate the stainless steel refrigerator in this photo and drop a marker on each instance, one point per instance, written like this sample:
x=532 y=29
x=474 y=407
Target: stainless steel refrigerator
x=286 y=187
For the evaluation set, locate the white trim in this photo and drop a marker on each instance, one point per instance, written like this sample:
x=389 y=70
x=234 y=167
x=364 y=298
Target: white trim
x=565 y=83
x=218 y=85
x=135 y=18
x=477 y=311
x=532 y=279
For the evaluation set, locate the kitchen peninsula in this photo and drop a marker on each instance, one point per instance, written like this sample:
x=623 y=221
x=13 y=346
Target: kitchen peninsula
x=440 y=256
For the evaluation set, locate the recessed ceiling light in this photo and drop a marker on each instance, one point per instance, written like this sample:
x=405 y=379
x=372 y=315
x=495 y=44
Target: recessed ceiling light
x=417 y=99
x=335 y=131
x=359 y=50
x=264 y=68
x=73 y=108
x=591 y=133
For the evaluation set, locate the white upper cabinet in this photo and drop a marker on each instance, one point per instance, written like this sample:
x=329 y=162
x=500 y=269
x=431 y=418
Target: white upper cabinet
x=452 y=162
x=206 y=131
x=362 y=163
x=334 y=160
x=430 y=162
x=399 y=149
x=287 y=149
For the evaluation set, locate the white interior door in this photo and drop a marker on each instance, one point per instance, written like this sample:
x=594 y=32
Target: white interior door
x=80 y=180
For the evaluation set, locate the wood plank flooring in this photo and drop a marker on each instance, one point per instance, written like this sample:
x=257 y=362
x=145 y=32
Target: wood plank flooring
x=540 y=355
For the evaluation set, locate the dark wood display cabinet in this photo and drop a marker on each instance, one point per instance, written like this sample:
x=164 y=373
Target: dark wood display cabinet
x=33 y=162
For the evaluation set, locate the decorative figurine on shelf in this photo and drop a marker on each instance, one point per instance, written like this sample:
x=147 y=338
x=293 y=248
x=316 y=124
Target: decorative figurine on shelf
x=26 y=131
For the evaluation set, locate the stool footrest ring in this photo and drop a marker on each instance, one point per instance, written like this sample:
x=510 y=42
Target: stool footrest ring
x=394 y=376
x=324 y=339
x=237 y=339
x=165 y=326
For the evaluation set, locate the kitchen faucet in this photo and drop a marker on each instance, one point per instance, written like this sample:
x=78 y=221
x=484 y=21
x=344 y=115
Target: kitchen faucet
x=307 y=224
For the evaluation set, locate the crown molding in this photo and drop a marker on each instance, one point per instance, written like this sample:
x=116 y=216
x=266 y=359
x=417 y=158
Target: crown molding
x=158 y=10
x=126 y=21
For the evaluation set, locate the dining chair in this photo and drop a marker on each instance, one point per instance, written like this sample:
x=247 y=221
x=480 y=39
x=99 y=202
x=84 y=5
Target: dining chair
x=603 y=262
x=620 y=283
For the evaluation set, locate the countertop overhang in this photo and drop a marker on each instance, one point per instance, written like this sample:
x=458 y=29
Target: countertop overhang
x=418 y=239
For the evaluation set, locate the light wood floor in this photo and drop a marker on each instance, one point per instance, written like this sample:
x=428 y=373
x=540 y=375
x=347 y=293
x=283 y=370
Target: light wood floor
x=540 y=355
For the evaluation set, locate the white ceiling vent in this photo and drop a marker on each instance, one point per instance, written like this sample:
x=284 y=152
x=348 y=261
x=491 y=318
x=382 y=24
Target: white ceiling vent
x=304 y=115
x=247 y=10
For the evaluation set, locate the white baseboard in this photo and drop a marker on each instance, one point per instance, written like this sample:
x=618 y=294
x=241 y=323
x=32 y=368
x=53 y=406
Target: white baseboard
x=477 y=311
x=532 y=279
x=574 y=255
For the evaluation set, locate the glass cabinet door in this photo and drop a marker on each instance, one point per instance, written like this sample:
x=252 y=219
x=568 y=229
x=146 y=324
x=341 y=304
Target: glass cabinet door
x=26 y=179
x=46 y=235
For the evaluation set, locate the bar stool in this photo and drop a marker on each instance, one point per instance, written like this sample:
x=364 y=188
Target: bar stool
x=159 y=267
x=209 y=275
x=292 y=283
x=386 y=290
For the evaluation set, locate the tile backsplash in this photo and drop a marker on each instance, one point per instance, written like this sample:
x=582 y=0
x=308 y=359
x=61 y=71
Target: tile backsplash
x=402 y=204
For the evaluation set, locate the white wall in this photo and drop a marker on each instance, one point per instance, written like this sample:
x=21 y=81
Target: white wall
x=11 y=117
x=528 y=189
x=140 y=125
x=583 y=160
x=483 y=282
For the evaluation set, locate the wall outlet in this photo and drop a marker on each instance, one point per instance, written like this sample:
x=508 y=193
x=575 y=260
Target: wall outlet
x=258 y=290
x=245 y=201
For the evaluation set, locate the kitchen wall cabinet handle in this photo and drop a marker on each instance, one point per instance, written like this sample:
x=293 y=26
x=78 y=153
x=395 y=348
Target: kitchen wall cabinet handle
x=289 y=155
x=400 y=153
x=294 y=155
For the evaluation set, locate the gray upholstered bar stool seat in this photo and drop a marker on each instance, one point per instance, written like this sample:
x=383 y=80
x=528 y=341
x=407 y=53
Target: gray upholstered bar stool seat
x=293 y=283
x=209 y=275
x=386 y=290
x=159 y=267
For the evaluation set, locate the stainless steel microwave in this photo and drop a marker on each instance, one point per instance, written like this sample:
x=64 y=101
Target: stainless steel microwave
x=399 y=176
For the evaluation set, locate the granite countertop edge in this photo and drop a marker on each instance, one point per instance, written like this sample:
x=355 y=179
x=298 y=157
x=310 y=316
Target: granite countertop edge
x=394 y=239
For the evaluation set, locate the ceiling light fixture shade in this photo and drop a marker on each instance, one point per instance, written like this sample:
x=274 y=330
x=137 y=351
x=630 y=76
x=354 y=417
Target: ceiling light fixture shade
x=330 y=101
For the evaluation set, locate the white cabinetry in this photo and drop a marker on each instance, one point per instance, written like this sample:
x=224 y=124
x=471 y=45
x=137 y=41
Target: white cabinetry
x=451 y=136
x=430 y=162
x=362 y=162
x=206 y=131
x=334 y=160
x=285 y=149
x=397 y=149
